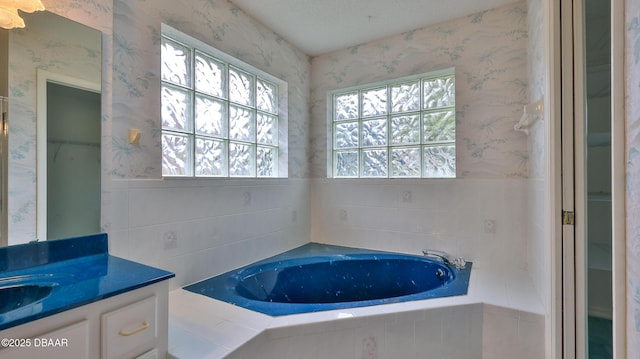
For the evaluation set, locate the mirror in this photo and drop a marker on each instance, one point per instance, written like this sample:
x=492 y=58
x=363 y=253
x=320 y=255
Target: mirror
x=54 y=66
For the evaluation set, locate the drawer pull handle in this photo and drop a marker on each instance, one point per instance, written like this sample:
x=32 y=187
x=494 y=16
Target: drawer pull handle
x=144 y=326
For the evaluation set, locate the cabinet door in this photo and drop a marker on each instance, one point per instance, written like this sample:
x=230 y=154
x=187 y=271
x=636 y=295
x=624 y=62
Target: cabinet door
x=130 y=330
x=69 y=342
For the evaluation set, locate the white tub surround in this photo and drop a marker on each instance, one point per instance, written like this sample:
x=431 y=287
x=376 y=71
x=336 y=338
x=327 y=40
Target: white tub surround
x=197 y=228
x=410 y=215
x=501 y=316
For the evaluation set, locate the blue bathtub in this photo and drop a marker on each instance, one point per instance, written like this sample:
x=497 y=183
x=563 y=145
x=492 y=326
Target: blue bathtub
x=317 y=277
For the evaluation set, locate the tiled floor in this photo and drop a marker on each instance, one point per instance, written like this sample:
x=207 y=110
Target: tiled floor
x=600 y=338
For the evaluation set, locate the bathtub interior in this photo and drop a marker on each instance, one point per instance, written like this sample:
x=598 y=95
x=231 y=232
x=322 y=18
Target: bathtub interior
x=241 y=286
x=343 y=278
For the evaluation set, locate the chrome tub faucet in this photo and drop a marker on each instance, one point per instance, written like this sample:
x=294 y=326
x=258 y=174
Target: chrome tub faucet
x=457 y=262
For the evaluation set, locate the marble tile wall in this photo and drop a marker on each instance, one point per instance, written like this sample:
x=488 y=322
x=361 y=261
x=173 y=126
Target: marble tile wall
x=492 y=158
x=136 y=82
x=538 y=245
x=632 y=90
x=488 y=50
x=217 y=227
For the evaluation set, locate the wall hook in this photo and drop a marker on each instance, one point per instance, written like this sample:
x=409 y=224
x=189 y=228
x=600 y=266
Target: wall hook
x=531 y=113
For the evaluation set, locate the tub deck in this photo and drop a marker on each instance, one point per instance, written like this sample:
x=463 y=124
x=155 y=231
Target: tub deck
x=202 y=327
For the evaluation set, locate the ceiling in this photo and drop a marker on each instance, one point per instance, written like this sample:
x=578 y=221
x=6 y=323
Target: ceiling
x=321 y=26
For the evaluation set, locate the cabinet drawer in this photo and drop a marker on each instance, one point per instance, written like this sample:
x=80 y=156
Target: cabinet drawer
x=151 y=354
x=130 y=330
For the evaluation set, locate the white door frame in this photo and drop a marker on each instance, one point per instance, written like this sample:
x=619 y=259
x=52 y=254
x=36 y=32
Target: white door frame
x=572 y=279
x=568 y=174
x=618 y=183
x=43 y=77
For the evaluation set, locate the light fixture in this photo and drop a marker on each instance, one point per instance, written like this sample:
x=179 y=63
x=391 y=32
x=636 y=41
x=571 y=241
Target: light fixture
x=9 y=16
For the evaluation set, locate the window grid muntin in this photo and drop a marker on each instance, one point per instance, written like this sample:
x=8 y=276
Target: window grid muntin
x=194 y=135
x=420 y=111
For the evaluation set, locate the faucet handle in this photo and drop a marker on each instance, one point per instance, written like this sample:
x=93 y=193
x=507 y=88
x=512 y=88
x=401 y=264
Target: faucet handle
x=457 y=262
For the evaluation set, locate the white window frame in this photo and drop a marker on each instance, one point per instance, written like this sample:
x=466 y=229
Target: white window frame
x=281 y=165
x=397 y=81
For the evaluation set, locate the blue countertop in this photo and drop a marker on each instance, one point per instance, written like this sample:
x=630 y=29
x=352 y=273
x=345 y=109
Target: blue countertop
x=79 y=271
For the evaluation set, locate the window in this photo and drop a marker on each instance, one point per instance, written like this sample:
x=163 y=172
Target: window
x=403 y=128
x=220 y=116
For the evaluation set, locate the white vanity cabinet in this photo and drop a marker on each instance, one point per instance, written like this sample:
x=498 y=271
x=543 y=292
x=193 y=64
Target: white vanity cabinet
x=129 y=325
x=53 y=344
